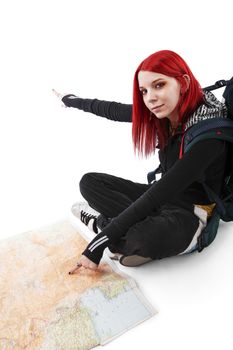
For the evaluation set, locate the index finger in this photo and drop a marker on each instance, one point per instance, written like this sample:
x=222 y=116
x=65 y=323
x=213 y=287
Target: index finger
x=75 y=269
x=56 y=93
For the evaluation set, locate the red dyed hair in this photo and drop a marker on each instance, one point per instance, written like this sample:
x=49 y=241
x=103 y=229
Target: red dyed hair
x=150 y=132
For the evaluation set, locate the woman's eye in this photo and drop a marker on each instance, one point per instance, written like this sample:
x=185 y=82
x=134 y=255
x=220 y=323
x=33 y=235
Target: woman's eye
x=156 y=86
x=159 y=85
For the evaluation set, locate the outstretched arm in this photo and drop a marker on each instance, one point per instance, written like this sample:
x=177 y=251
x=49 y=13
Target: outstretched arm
x=111 y=110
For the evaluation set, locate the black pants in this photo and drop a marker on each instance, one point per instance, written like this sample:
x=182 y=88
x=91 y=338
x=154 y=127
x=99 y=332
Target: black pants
x=167 y=232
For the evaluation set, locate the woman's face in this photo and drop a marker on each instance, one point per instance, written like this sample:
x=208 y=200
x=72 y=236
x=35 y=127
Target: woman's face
x=160 y=93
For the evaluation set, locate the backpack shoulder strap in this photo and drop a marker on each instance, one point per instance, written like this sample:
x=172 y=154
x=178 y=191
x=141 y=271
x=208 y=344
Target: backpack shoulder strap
x=228 y=96
x=219 y=128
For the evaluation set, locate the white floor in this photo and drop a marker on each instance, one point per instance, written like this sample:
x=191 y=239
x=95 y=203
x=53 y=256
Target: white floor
x=192 y=294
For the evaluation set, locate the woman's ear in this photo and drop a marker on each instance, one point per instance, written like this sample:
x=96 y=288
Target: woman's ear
x=186 y=84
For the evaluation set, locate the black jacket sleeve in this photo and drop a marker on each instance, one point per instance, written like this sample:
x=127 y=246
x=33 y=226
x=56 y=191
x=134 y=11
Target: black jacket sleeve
x=111 y=110
x=181 y=175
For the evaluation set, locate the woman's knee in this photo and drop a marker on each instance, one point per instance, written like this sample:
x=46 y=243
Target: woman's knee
x=86 y=179
x=89 y=182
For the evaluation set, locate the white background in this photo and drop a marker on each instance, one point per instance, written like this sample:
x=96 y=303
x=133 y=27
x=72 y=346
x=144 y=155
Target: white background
x=92 y=49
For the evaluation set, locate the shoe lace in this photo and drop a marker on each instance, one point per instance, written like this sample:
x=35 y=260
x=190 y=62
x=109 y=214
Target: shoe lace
x=86 y=217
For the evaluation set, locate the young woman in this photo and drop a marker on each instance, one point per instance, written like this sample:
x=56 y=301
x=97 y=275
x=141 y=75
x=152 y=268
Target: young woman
x=144 y=222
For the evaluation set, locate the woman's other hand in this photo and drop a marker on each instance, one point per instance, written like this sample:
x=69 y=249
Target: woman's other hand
x=58 y=94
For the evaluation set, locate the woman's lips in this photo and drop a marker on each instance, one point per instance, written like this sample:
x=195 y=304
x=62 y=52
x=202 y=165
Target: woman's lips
x=157 y=108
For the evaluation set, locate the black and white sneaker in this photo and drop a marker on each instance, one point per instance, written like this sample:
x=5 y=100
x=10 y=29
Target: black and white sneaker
x=86 y=214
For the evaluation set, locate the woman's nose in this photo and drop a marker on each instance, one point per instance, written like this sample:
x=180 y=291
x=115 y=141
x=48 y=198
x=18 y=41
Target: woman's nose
x=152 y=96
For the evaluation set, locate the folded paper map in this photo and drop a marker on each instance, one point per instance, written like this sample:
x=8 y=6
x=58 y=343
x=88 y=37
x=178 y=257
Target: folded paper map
x=43 y=307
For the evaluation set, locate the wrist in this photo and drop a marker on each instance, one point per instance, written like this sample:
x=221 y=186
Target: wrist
x=95 y=258
x=95 y=249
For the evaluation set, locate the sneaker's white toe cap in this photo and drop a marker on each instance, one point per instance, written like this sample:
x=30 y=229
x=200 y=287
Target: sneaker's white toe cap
x=77 y=207
x=82 y=206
